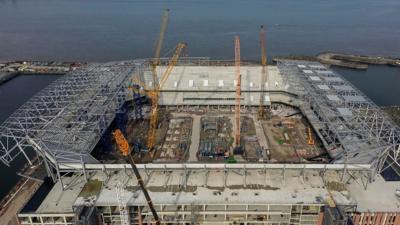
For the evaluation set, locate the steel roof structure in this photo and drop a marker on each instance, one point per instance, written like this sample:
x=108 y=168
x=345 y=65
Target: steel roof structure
x=64 y=121
x=352 y=127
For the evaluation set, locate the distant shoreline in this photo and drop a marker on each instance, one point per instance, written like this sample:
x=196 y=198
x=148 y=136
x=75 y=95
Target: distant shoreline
x=351 y=61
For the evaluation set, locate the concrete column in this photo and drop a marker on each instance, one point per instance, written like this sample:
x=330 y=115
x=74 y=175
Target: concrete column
x=204 y=215
x=225 y=175
x=84 y=170
x=206 y=178
x=265 y=176
x=59 y=177
x=244 y=176
x=344 y=171
x=146 y=170
x=303 y=174
x=185 y=177
x=283 y=174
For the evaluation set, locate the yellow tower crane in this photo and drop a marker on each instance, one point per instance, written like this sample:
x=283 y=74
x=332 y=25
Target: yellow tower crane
x=238 y=91
x=264 y=73
x=124 y=148
x=154 y=96
x=156 y=59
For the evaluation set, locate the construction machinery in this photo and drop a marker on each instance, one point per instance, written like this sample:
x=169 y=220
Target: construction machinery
x=310 y=140
x=124 y=148
x=238 y=91
x=154 y=96
x=156 y=59
x=264 y=74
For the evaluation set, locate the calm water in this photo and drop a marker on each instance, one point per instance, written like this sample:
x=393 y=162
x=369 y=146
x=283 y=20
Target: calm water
x=13 y=94
x=380 y=83
x=104 y=30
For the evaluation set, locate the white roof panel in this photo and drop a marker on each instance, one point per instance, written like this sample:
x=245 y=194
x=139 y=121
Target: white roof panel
x=354 y=98
x=308 y=71
x=317 y=66
x=338 y=79
x=301 y=66
x=324 y=72
x=323 y=87
x=315 y=78
x=333 y=97
x=344 y=111
x=343 y=87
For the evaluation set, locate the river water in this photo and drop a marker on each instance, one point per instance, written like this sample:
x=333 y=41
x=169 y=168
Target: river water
x=13 y=94
x=106 y=30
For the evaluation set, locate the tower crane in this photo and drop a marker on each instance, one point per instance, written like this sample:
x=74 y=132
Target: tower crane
x=264 y=73
x=156 y=59
x=124 y=148
x=238 y=91
x=154 y=96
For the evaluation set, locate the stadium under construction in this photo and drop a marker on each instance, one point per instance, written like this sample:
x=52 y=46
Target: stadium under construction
x=318 y=153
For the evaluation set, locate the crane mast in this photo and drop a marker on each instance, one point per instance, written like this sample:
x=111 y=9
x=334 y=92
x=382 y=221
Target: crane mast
x=123 y=147
x=264 y=73
x=238 y=91
x=160 y=40
x=154 y=96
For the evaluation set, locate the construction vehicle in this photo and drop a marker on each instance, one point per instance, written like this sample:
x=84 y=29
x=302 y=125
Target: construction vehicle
x=264 y=74
x=124 y=148
x=310 y=140
x=154 y=96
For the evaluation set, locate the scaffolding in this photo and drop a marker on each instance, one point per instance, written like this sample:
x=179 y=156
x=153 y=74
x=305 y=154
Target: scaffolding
x=352 y=128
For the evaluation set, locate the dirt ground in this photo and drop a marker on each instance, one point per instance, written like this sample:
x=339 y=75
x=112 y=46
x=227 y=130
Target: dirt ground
x=215 y=138
x=177 y=141
x=252 y=148
x=283 y=134
x=288 y=138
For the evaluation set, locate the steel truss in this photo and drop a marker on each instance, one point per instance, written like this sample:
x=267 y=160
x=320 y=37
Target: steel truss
x=351 y=126
x=64 y=121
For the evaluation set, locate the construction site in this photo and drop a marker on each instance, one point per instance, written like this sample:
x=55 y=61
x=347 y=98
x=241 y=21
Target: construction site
x=190 y=140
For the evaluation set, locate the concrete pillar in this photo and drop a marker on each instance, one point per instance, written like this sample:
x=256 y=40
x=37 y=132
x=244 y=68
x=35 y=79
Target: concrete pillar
x=206 y=178
x=186 y=177
x=265 y=176
x=303 y=174
x=344 y=171
x=84 y=169
x=225 y=175
x=59 y=177
x=244 y=177
x=323 y=174
x=283 y=174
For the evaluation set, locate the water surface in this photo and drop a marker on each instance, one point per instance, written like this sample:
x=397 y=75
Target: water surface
x=12 y=95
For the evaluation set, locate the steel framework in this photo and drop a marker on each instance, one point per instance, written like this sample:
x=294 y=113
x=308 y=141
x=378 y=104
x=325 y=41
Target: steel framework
x=352 y=128
x=64 y=121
